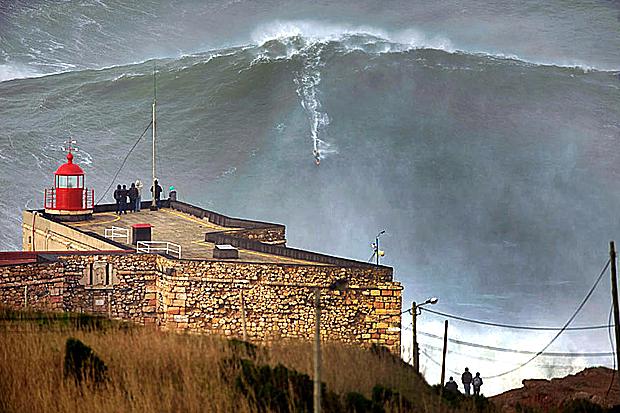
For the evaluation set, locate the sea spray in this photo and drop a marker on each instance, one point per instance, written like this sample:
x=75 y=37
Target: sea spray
x=307 y=81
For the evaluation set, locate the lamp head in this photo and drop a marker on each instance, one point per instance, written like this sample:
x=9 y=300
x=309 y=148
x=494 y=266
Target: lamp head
x=432 y=300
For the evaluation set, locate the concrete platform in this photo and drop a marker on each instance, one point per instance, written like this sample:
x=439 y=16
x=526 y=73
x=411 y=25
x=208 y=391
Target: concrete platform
x=180 y=228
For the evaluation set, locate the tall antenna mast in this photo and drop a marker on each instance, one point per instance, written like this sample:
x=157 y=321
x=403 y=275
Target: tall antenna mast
x=154 y=202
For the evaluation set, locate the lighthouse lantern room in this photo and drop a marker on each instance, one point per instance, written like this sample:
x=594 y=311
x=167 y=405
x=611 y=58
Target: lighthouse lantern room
x=69 y=200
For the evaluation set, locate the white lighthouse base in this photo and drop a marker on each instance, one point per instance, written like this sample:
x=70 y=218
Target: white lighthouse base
x=66 y=215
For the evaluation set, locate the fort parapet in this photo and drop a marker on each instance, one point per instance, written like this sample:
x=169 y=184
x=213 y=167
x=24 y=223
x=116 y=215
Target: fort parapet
x=72 y=266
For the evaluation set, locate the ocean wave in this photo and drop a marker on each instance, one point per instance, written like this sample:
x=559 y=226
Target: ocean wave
x=374 y=40
x=288 y=40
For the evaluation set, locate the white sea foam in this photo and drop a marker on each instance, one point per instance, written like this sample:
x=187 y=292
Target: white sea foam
x=320 y=32
x=307 y=82
x=10 y=72
x=392 y=41
x=312 y=31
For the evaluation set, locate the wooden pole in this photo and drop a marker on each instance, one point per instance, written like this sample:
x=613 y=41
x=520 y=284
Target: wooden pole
x=317 y=351
x=415 y=350
x=243 y=325
x=614 y=295
x=445 y=350
x=110 y=304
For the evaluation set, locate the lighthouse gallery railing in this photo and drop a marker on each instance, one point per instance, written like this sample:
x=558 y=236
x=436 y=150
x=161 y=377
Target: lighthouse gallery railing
x=88 y=198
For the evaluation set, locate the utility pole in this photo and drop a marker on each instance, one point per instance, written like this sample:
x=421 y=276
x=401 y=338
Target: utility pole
x=154 y=202
x=614 y=296
x=243 y=325
x=415 y=357
x=445 y=350
x=317 y=350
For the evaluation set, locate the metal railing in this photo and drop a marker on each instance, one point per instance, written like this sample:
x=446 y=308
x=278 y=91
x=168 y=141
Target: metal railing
x=50 y=198
x=117 y=232
x=88 y=198
x=149 y=247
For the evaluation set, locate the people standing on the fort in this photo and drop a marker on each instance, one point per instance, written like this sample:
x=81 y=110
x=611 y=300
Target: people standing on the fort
x=157 y=193
x=123 y=196
x=117 y=198
x=139 y=187
x=132 y=193
x=477 y=382
x=452 y=386
x=466 y=379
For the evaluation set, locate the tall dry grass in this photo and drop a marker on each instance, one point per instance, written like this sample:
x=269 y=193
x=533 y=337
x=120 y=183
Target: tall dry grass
x=153 y=371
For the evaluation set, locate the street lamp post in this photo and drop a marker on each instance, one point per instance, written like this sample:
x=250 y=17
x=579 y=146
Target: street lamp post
x=378 y=252
x=414 y=314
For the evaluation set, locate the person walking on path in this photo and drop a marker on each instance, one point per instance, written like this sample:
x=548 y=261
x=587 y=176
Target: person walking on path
x=117 y=198
x=452 y=386
x=157 y=193
x=123 y=200
x=132 y=193
x=477 y=382
x=139 y=187
x=466 y=379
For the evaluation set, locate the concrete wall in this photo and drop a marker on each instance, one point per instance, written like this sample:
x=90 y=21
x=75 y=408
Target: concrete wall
x=206 y=296
x=244 y=228
x=52 y=236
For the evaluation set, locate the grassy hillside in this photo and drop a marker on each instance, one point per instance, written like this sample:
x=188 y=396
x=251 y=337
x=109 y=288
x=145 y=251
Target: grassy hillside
x=152 y=371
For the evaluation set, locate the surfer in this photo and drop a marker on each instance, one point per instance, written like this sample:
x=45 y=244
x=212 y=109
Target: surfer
x=317 y=157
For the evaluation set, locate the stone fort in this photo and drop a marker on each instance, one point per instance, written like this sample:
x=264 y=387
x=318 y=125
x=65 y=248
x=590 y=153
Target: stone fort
x=181 y=267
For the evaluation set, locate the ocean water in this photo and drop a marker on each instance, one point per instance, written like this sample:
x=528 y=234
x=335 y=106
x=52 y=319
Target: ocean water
x=483 y=137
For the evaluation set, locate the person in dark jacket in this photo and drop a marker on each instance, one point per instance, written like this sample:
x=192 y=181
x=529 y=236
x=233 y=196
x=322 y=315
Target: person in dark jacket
x=123 y=201
x=452 y=386
x=466 y=379
x=132 y=193
x=157 y=192
x=117 y=198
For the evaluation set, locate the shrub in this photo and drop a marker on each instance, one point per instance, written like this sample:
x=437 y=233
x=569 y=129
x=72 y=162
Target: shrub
x=82 y=364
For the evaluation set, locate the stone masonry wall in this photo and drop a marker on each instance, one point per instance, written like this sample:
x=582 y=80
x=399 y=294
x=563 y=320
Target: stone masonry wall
x=38 y=286
x=269 y=235
x=130 y=294
x=205 y=296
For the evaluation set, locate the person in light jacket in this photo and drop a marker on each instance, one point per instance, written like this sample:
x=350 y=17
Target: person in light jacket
x=477 y=382
x=139 y=187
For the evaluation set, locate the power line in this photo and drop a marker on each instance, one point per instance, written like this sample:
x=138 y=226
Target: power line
x=613 y=348
x=508 y=350
x=123 y=163
x=570 y=320
x=439 y=364
x=494 y=359
x=489 y=323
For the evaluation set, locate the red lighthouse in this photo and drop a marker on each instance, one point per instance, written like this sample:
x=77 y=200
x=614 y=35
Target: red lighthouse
x=69 y=200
